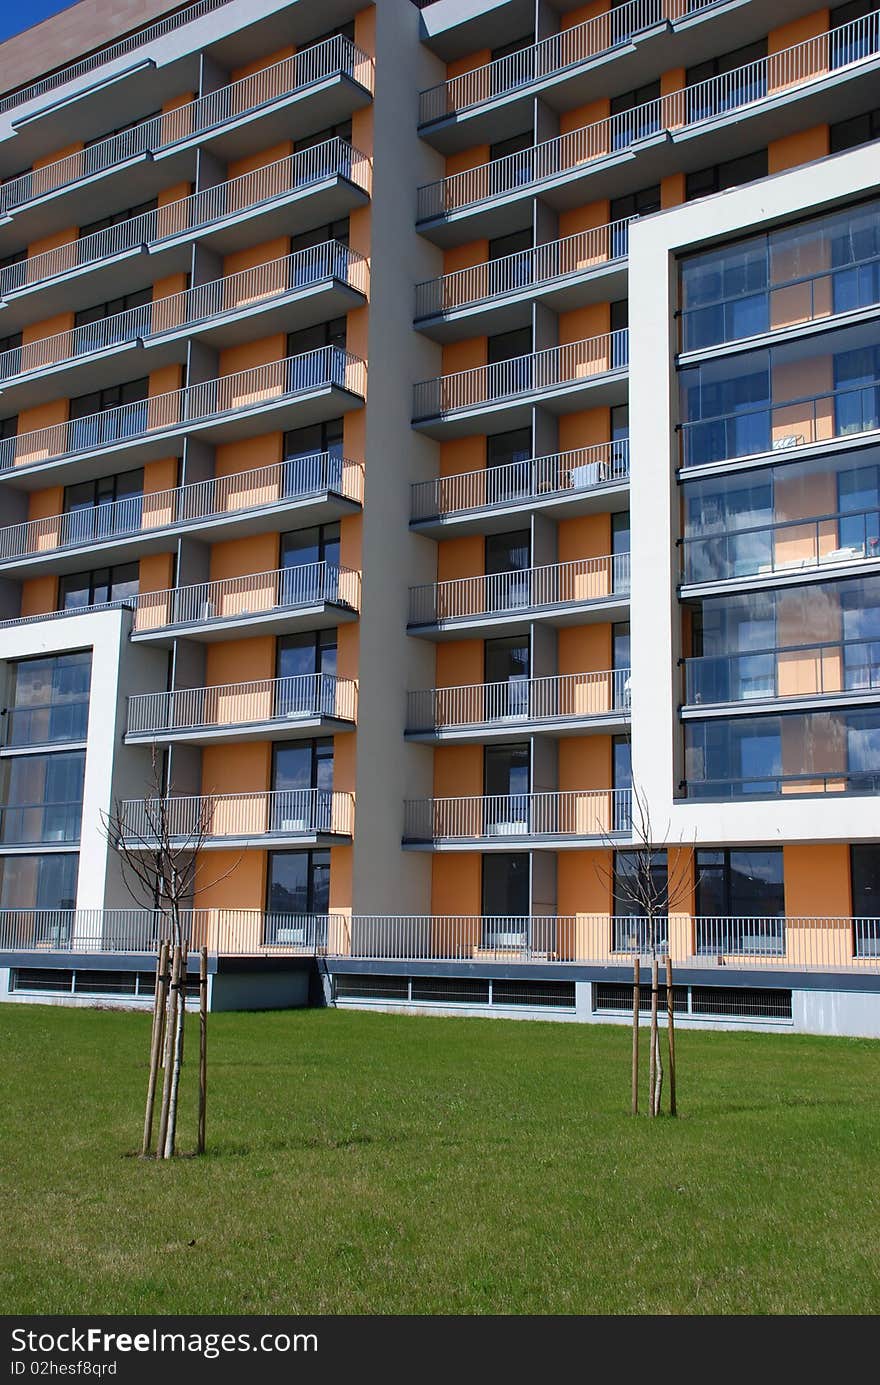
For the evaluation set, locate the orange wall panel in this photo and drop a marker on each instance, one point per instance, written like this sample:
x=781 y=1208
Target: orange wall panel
x=253 y=255
x=266 y=156
x=583 y=882
x=462 y=454
x=584 y=649
x=38 y=595
x=348 y=650
x=341 y=875
x=465 y=256
x=580 y=323
x=801 y=148
x=52 y=242
x=172 y=283
x=259 y=64
x=459 y=66
x=237 y=768
x=50 y=327
x=240 y=661
x=459 y=663
x=253 y=353
x=817 y=880
x=583 y=13
x=584 y=762
x=246 y=454
x=165 y=379
x=465 y=355
x=466 y=159
x=160 y=475
x=584 y=218
x=46 y=504
x=585 y=536
x=672 y=190
x=464 y=557
x=241 y=557
x=584 y=115
x=233 y=880
x=456 y=883
x=584 y=429
x=458 y=771
x=42 y=416
x=798 y=31
x=156 y=572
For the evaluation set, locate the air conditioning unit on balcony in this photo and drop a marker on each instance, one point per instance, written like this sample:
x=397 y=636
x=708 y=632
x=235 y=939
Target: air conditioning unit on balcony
x=516 y=828
x=293 y=825
x=291 y=934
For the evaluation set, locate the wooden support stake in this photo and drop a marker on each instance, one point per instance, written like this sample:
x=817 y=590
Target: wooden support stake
x=670 y=1027
x=635 y=1057
x=170 y=1028
x=203 y=1046
x=159 y=1000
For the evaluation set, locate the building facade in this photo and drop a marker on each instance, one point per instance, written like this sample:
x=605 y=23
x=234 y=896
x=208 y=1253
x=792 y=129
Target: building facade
x=433 y=439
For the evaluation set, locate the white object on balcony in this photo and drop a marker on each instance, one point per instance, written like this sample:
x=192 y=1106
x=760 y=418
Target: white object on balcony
x=586 y=475
x=841 y=555
x=508 y=829
x=788 y=440
x=293 y=825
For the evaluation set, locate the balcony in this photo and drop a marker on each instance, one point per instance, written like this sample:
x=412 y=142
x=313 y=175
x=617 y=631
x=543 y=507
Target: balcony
x=316 y=284
x=566 y=704
x=315 y=186
x=583 y=481
x=335 y=76
x=572 y=593
x=584 y=268
x=582 y=374
x=498 y=821
x=286 y=599
x=298 y=816
x=792 y=548
x=837 y=672
x=490 y=101
x=823 y=79
x=225 y=932
x=294 y=391
x=318 y=488
x=43 y=826
x=281 y=708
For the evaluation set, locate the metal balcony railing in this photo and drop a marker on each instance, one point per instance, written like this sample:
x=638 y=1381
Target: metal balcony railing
x=197 y=817
x=568 y=696
x=293 y=174
x=282 y=700
x=109 y=52
x=186 y=506
x=527 y=269
x=533 y=478
x=550 y=369
x=790 y=943
x=771 y=785
x=525 y=589
x=570 y=813
x=261 y=386
x=569 y=48
x=221 y=297
x=801 y=65
x=842 y=537
x=335 y=56
x=807 y=670
x=236 y=598
x=781 y=426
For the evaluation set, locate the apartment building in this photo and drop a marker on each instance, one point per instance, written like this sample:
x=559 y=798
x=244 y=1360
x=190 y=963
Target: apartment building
x=425 y=430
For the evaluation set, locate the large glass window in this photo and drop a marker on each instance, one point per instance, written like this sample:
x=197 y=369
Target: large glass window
x=746 y=81
x=117 y=218
x=80 y=589
x=42 y=797
x=39 y=882
x=102 y=336
x=99 y=509
x=302 y=778
x=740 y=901
x=120 y=411
x=310 y=558
x=505 y=898
x=506 y=670
x=297 y=889
x=865 y=872
x=313 y=458
x=859 y=129
x=508 y=466
x=853 y=40
x=508 y=578
x=639 y=112
x=306 y=669
x=317 y=355
x=506 y=778
x=48 y=699
x=798 y=753
x=631 y=883
x=731 y=174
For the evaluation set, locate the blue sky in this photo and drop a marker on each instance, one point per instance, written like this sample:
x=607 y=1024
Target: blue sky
x=16 y=15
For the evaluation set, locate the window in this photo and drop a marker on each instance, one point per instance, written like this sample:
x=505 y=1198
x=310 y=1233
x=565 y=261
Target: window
x=511 y=363
x=857 y=380
x=619 y=315
x=306 y=666
x=315 y=351
x=506 y=776
x=341 y=31
x=302 y=780
x=333 y=160
x=506 y=898
x=104 y=584
x=310 y=558
x=510 y=265
x=319 y=235
x=11 y=343
x=41 y=797
x=7 y=261
x=309 y=269
x=40 y=882
x=507 y=562
x=856 y=42
x=48 y=699
x=865 y=872
x=639 y=112
x=511 y=163
x=731 y=174
x=89 y=341
x=297 y=887
x=506 y=671
x=747 y=81
x=8 y=427
x=641 y=203
x=619 y=441
x=508 y=466
x=121 y=129
x=733 y=888
x=632 y=931
x=620 y=548
x=313 y=458
x=103 y=416
x=860 y=129
x=99 y=509
x=620 y=663
x=117 y=218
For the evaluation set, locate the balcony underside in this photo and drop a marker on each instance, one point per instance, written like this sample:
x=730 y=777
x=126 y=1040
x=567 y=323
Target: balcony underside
x=293 y=728
x=518 y=622
x=601 y=283
x=605 y=723
x=268 y=416
x=684 y=43
x=284 y=215
x=130 y=360
x=545 y=841
x=285 y=514
x=257 y=841
x=728 y=136
x=268 y=622
x=611 y=498
x=495 y=416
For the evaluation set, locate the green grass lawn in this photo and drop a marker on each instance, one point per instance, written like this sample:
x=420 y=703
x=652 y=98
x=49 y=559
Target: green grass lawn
x=369 y=1163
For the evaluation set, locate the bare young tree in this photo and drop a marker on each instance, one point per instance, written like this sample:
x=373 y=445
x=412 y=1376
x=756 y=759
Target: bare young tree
x=652 y=895
x=161 y=864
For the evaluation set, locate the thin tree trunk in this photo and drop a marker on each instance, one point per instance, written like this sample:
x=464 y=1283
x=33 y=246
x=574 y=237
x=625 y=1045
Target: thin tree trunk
x=658 y=1077
x=652 y=1068
x=203 y=1046
x=670 y=1030
x=156 y=1043
x=177 y=1058
x=170 y=1028
x=635 y=1046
